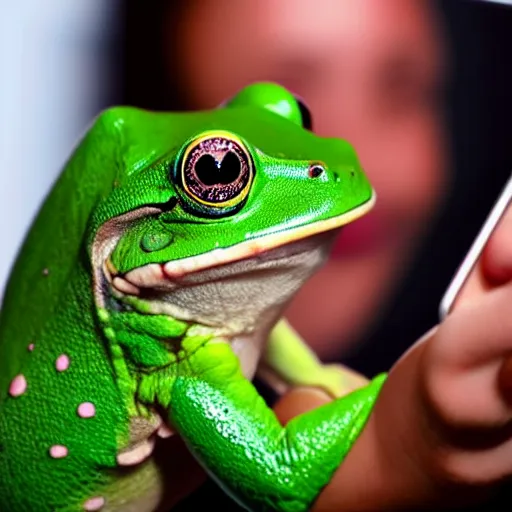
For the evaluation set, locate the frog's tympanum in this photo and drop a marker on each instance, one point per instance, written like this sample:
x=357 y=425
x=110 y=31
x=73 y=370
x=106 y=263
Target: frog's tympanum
x=150 y=290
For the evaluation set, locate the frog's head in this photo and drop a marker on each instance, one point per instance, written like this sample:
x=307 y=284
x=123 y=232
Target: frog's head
x=227 y=222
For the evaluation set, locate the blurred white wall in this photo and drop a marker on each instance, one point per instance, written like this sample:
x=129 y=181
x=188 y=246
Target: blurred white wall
x=53 y=58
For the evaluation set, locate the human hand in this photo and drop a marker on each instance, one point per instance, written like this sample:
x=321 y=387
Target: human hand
x=440 y=435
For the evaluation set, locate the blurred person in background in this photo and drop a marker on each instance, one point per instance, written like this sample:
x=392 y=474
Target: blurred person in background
x=371 y=72
x=377 y=76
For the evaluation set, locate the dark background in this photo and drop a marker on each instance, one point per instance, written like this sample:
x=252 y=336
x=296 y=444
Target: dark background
x=479 y=112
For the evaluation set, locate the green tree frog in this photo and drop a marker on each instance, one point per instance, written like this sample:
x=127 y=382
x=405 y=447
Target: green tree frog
x=149 y=291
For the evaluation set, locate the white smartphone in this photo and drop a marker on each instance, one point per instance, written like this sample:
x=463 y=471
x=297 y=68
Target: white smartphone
x=469 y=262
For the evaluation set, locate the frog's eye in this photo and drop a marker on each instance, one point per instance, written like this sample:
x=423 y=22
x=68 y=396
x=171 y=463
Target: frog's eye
x=217 y=171
x=305 y=113
x=275 y=98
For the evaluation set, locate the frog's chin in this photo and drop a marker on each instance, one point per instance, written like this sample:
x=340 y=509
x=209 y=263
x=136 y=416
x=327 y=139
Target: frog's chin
x=234 y=298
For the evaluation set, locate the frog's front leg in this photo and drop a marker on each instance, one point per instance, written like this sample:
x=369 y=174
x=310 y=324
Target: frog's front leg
x=232 y=432
x=288 y=361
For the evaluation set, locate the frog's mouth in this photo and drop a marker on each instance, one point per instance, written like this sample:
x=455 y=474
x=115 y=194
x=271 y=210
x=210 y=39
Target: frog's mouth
x=218 y=286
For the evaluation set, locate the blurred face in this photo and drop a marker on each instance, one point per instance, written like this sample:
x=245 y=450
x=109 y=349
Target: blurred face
x=369 y=71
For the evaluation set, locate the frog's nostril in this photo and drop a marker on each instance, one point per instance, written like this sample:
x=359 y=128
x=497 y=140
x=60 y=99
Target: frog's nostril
x=315 y=170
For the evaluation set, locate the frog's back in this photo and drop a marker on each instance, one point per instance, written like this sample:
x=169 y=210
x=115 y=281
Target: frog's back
x=61 y=415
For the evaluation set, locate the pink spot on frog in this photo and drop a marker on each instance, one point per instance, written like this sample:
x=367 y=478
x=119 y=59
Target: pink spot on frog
x=94 y=504
x=62 y=363
x=18 y=386
x=86 y=410
x=58 y=451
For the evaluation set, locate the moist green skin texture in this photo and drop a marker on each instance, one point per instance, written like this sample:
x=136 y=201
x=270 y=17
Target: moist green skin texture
x=80 y=370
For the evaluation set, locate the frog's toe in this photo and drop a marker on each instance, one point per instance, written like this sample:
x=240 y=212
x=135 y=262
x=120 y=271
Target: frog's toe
x=137 y=453
x=165 y=431
x=94 y=504
x=338 y=380
x=143 y=435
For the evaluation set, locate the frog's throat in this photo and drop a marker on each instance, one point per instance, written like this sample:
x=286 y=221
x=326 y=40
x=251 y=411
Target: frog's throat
x=303 y=247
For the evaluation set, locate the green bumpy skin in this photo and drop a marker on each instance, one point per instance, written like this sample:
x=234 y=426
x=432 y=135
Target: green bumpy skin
x=258 y=461
x=84 y=364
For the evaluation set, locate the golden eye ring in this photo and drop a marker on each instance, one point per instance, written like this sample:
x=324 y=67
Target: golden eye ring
x=217 y=170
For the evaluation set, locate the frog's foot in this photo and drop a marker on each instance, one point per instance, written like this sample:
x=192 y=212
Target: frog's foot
x=334 y=379
x=144 y=433
x=290 y=362
x=338 y=380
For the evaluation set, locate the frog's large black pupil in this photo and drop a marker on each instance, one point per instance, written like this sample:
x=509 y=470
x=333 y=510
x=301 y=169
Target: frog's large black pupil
x=230 y=168
x=206 y=170
x=210 y=172
x=305 y=113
